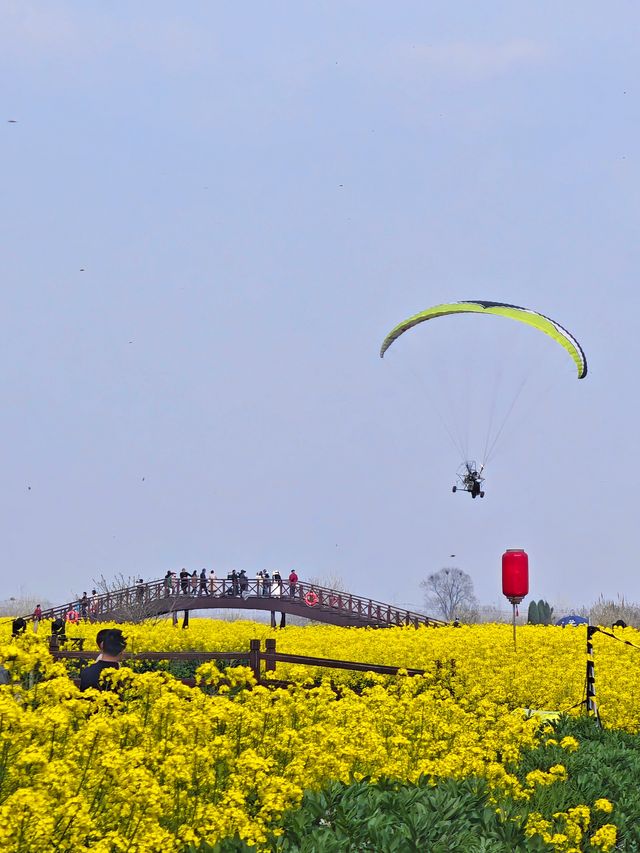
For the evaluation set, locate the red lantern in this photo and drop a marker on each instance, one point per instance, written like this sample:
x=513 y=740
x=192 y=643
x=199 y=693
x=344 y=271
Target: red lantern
x=515 y=574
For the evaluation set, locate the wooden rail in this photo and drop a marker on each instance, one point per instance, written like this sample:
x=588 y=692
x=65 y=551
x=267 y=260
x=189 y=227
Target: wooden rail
x=256 y=657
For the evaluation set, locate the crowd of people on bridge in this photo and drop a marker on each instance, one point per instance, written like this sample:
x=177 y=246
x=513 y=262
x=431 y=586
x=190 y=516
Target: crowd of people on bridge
x=235 y=584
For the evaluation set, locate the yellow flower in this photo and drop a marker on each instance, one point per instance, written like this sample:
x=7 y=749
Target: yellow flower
x=153 y=765
x=605 y=838
x=569 y=743
x=603 y=805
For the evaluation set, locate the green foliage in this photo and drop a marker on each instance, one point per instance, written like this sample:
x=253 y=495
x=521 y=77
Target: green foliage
x=540 y=613
x=390 y=817
x=545 y=612
x=456 y=816
x=607 y=764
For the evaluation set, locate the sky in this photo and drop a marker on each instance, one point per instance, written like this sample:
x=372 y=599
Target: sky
x=211 y=216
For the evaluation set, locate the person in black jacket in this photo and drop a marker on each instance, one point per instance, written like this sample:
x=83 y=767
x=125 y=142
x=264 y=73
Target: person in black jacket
x=113 y=644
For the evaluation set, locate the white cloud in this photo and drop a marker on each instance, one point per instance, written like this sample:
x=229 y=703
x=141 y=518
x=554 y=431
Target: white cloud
x=37 y=32
x=470 y=61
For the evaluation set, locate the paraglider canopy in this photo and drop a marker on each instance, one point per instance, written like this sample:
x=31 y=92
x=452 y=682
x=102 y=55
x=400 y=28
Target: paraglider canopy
x=502 y=309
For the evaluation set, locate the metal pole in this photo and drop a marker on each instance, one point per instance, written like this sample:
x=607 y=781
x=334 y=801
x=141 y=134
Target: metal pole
x=514 y=626
x=592 y=705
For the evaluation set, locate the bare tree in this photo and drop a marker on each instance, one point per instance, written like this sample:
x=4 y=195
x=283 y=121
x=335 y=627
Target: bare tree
x=21 y=606
x=450 y=593
x=329 y=581
x=134 y=608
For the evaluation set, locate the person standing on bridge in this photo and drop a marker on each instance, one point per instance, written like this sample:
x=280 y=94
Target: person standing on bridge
x=203 y=582
x=93 y=606
x=184 y=581
x=243 y=583
x=194 y=582
x=276 y=587
x=293 y=583
x=212 y=582
x=37 y=616
x=166 y=583
x=84 y=605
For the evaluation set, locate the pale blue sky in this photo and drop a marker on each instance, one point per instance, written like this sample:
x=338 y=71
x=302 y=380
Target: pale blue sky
x=255 y=194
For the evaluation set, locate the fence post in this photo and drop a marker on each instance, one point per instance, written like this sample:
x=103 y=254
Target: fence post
x=254 y=659
x=270 y=650
x=592 y=706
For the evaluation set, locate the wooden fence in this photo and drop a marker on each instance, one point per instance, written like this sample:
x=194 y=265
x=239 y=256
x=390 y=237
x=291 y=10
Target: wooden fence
x=255 y=657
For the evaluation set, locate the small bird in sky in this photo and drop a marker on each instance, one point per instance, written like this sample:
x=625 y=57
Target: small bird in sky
x=29 y=488
x=11 y=121
x=451 y=555
x=81 y=269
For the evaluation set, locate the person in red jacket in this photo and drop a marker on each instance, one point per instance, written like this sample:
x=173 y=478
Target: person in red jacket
x=293 y=581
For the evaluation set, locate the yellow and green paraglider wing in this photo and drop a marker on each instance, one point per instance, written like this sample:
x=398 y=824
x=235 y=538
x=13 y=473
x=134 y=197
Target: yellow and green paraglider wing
x=502 y=309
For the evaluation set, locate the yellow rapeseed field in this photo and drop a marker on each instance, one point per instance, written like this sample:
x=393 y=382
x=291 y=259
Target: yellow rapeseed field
x=153 y=765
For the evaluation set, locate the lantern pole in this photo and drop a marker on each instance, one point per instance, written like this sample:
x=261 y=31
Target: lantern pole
x=515 y=601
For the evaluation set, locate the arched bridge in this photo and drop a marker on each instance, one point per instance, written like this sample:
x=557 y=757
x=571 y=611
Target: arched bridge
x=307 y=600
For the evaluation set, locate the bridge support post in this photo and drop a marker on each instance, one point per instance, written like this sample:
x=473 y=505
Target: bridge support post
x=254 y=659
x=185 y=620
x=273 y=618
x=283 y=620
x=270 y=650
x=174 y=616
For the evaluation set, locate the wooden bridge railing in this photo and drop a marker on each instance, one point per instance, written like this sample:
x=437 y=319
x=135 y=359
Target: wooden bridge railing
x=144 y=600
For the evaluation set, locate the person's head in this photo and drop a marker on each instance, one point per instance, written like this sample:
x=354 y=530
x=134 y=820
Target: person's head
x=113 y=642
x=100 y=637
x=18 y=626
